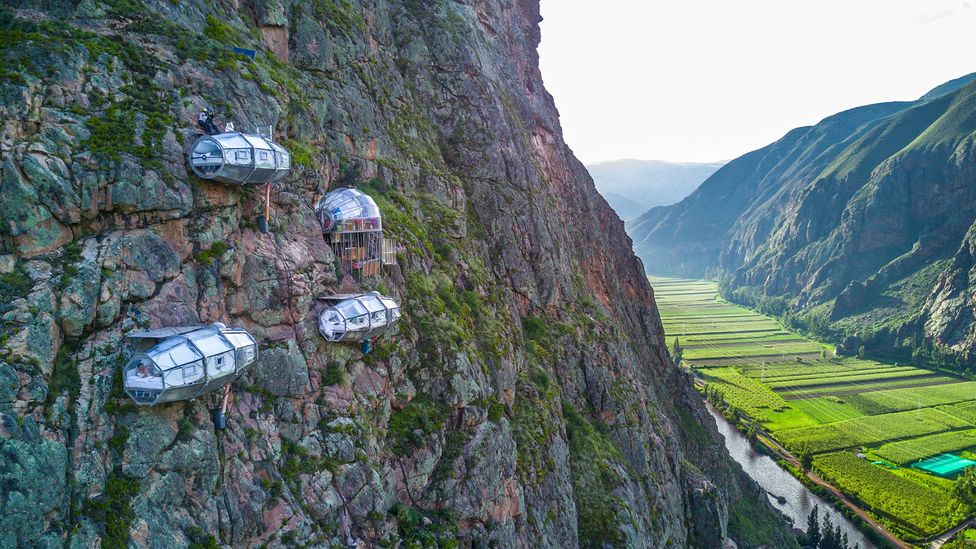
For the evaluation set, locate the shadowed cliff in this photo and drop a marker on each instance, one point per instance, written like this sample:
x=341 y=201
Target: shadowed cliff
x=527 y=398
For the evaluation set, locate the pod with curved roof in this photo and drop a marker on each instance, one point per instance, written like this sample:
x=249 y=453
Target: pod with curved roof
x=184 y=363
x=349 y=210
x=239 y=158
x=358 y=317
x=353 y=226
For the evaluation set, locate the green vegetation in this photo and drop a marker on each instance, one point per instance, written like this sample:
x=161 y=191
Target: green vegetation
x=916 y=508
x=751 y=524
x=302 y=152
x=298 y=461
x=754 y=399
x=867 y=430
x=421 y=414
x=14 y=285
x=340 y=15
x=593 y=459
x=215 y=251
x=335 y=374
x=113 y=509
x=64 y=378
x=534 y=425
x=439 y=531
x=827 y=409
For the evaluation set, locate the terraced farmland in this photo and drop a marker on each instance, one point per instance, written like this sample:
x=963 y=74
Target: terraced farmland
x=863 y=421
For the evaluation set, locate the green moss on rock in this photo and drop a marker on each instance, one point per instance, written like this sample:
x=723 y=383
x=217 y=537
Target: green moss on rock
x=410 y=426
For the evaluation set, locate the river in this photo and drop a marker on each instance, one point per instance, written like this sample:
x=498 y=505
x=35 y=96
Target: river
x=799 y=500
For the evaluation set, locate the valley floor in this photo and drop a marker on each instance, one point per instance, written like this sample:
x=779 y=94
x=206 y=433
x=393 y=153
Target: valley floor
x=865 y=424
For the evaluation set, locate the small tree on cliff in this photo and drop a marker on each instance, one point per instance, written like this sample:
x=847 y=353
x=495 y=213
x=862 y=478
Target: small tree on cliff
x=676 y=351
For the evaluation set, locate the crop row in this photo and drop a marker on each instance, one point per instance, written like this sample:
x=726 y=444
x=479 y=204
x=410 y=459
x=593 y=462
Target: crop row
x=908 y=451
x=917 y=509
x=825 y=379
x=770 y=351
x=869 y=430
x=965 y=411
x=828 y=366
x=710 y=326
x=770 y=335
x=755 y=400
x=893 y=400
x=840 y=376
x=847 y=390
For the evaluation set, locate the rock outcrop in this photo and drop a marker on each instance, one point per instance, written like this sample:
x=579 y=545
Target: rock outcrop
x=527 y=399
x=856 y=227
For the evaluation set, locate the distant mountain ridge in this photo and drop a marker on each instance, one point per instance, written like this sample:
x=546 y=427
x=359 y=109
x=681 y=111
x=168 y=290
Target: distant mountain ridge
x=631 y=186
x=860 y=227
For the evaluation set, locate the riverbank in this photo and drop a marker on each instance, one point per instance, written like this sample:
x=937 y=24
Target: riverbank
x=787 y=494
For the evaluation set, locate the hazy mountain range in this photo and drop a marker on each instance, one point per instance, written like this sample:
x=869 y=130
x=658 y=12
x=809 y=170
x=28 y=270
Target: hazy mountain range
x=634 y=186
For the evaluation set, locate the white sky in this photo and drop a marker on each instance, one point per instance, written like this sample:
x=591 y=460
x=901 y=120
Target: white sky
x=703 y=80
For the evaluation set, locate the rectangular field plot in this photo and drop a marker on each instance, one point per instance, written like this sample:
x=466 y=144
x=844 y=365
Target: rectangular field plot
x=757 y=401
x=906 y=452
x=854 y=379
x=893 y=400
x=965 y=411
x=848 y=389
x=838 y=372
x=869 y=430
x=773 y=350
x=826 y=409
x=688 y=341
x=912 y=508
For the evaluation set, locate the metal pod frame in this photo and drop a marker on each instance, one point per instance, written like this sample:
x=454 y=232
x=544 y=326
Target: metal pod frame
x=187 y=363
x=239 y=158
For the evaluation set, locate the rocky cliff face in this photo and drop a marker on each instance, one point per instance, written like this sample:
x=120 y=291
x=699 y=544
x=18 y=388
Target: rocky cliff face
x=858 y=224
x=527 y=399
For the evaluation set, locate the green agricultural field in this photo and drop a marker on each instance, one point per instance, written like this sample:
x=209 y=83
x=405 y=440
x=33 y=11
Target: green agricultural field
x=847 y=378
x=878 y=402
x=849 y=389
x=868 y=430
x=908 y=507
x=757 y=401
x=965 y=411
x=807 y=399
x=826 y=409
x=909 y=451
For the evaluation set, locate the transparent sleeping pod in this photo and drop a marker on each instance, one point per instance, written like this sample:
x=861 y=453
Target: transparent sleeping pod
x=239 y=158
x=358 y=317
x=184 y=363
x=353 y=227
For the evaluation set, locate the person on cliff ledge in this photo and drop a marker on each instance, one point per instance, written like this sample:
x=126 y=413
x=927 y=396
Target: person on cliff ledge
x=206 y=121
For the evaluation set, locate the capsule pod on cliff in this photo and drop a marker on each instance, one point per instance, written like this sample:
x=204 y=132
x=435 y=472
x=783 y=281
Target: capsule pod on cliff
x=186 y=362
x=353 y=228
x=358 y=317
x=238 y=158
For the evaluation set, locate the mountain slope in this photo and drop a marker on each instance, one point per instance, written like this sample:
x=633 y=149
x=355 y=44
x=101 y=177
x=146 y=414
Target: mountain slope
x=631 y=187
x=527 y=398
x=848 y=223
